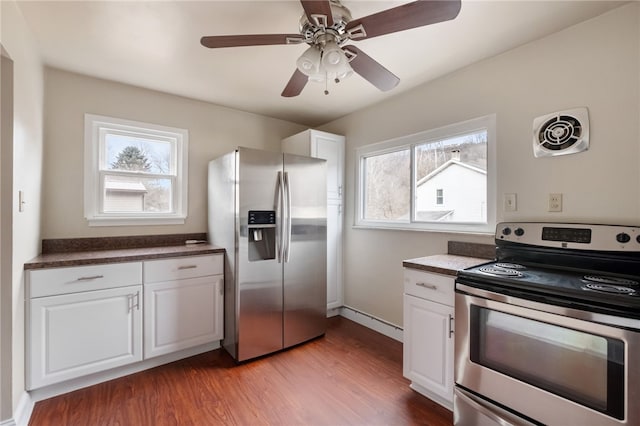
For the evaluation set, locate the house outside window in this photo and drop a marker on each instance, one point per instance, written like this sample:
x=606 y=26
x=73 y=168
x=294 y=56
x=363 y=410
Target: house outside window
x=397 y=180
x=135 y=173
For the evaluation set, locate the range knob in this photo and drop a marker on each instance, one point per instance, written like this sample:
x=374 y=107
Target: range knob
x=638 y=239
x=519 y=232
x=623 y=237
x=507 y=231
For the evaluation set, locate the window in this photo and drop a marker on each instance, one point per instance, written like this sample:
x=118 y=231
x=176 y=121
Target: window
x=399 y=178
x=135 y=173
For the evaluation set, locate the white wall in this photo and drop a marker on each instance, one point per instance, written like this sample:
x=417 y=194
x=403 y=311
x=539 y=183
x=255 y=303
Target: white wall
x=27 y=177
x=594 y=64
x=213 y=131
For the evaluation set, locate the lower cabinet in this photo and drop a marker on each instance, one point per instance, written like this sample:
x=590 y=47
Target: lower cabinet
x=182 y=314
x=88 y=319
x=428 y=335
x=74 y=335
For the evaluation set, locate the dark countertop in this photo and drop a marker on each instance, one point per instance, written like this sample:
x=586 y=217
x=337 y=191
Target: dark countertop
x=92 y=257
x=447 y=264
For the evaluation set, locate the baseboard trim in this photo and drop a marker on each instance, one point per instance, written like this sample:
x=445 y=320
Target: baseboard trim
x=372 y=322
x=93 y=379
x=22 y=414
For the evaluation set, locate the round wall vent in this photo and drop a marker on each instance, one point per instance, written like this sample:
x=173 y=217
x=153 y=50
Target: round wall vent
x=561 y=133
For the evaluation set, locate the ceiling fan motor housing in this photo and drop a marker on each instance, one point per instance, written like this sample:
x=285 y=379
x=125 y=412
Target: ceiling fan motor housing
x=317 y=30
x=561 y=133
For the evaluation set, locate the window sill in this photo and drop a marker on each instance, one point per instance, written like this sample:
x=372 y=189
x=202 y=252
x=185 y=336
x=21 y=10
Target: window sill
x=487 y=231
x=136 y=221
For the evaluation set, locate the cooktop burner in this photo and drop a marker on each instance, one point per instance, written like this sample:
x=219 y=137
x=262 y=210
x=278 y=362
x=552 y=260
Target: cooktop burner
x=608 y=288
x=610 y=280
x=509 y=265
x=501 y=271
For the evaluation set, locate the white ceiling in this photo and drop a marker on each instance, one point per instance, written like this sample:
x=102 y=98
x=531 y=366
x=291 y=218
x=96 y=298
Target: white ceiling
x=155 y=44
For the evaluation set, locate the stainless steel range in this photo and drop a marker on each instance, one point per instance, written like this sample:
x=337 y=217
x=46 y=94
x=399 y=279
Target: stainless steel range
x=549 y=333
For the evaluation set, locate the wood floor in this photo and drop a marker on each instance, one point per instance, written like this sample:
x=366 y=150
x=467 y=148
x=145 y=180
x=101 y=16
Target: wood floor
x=351 y=376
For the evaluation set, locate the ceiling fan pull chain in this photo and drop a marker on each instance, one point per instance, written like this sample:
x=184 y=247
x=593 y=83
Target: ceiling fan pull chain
x=326 y=85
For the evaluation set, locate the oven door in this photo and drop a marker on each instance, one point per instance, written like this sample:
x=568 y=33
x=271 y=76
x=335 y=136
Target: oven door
x=543 y=362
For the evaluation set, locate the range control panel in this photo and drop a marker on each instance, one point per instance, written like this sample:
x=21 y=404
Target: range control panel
x=571 y=235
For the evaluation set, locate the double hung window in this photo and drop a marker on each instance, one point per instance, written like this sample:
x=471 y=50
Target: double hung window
x=135 y=173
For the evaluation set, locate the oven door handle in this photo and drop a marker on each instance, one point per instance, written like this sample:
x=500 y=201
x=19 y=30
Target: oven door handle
x=480 y=406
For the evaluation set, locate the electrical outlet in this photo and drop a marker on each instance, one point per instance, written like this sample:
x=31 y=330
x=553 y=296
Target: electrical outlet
x=555 y=202
x=510 y=202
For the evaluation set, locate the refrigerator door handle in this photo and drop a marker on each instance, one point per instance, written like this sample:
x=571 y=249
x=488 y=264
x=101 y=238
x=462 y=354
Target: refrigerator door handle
x=287 y=227
x=279 y=218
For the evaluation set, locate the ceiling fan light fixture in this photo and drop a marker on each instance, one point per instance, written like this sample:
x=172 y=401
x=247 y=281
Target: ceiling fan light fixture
x=309 y=62
x=333 y=57
x=324 y=62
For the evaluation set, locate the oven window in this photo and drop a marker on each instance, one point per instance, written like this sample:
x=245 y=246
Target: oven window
x=582 y=367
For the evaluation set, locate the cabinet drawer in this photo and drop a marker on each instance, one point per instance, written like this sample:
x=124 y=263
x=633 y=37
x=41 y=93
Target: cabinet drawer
x=182 y=267
x=47 y=282
x=431 y=286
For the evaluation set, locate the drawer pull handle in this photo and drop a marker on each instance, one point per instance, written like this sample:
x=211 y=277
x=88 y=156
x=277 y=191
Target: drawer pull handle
x=429 y=286
x=93 y=277
x=187 y=267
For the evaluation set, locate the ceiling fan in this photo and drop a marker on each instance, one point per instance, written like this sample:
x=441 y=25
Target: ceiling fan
x=326 y=26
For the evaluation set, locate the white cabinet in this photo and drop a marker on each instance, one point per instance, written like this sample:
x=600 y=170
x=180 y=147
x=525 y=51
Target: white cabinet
x=428 y=334
x=88 y=319
x=330 y=147
x=82 y=320
x=183 y=303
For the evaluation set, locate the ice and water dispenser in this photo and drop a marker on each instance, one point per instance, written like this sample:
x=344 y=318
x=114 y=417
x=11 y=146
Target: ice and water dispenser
x=262 y=234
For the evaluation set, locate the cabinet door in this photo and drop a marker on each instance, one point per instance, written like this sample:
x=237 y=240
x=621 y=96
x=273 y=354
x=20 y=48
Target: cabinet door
x=181 y=314
x=428 y=345
x=334 y=254
x=331 y=148
x=73 y=335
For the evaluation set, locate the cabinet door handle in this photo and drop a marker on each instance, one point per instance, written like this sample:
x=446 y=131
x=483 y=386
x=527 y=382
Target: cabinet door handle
x=130 y=301
x=429 y=286
x=187 y=267
x=450 y=325
x=92 y=277
x=137 y=296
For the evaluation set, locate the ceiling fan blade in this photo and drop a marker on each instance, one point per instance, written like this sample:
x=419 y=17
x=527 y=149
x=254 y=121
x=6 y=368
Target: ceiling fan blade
x=404 y=17
x=318 y=12
x=214 y=42
x=370 y=69
x=295 y=85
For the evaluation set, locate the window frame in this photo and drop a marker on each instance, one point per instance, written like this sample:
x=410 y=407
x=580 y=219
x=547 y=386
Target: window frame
x=487 y=122
x=96 y=128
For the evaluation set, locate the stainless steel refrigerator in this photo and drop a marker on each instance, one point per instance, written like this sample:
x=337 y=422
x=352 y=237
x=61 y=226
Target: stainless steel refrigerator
x=269 y=211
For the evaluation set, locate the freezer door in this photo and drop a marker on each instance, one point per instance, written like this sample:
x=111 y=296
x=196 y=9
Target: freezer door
x=258 y=271
x=305 y=248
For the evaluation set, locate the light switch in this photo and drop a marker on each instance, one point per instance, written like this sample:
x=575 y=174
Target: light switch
x=510 y=203
x=21 y=201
